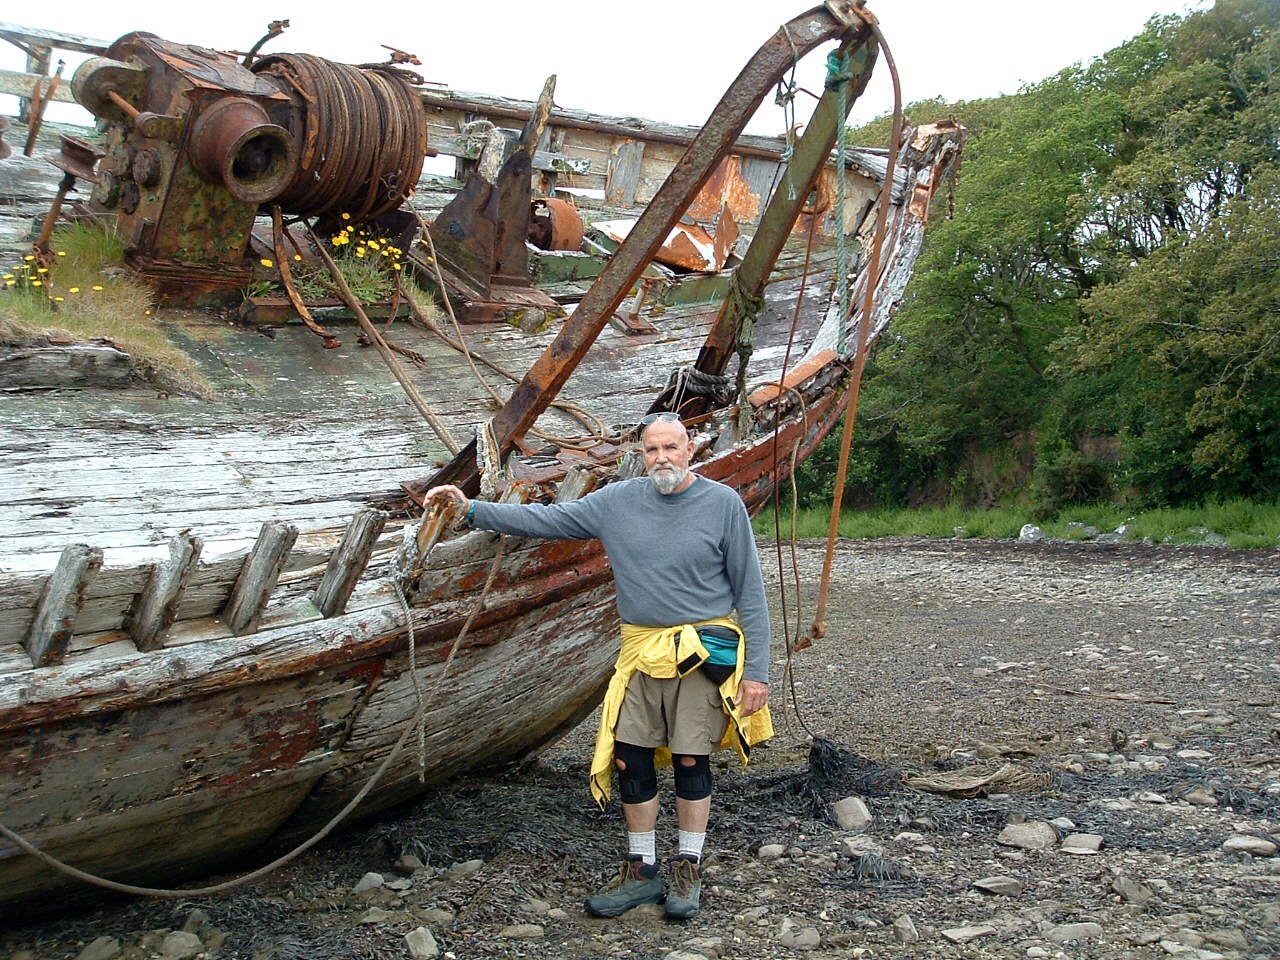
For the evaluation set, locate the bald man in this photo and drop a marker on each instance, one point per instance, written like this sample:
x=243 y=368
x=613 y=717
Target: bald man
x=693 y=669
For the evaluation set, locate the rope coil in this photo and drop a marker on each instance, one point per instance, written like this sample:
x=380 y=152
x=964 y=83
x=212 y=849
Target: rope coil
x=363 y=135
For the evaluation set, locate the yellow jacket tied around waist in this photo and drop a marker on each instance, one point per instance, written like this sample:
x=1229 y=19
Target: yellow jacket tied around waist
x=665 y=652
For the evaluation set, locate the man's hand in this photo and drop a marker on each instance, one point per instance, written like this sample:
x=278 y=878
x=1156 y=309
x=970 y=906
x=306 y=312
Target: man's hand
x=752 y=695
x=448 y=490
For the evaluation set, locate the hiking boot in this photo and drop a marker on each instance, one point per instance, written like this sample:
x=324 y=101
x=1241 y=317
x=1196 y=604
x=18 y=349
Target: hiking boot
x=684 y=893
x=637 y=882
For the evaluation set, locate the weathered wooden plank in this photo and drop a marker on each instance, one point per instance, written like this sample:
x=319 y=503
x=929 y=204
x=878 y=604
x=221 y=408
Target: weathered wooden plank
x=55 y=618
x=258 y=577
x=624 y=173
x=349 y=561
x=578 y=482
x=157 y=606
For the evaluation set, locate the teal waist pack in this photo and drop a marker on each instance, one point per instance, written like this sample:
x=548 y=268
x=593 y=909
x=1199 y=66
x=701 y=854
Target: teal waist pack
x=722 y=650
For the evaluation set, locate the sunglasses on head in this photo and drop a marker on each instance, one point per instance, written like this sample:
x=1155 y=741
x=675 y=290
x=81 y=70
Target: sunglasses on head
x=667 y=415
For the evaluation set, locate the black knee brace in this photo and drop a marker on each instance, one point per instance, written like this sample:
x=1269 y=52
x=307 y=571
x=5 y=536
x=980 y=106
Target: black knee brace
x=693 y=781
x=638 y=780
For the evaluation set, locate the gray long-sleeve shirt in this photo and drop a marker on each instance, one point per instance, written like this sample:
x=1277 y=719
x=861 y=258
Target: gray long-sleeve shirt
x=676 y=558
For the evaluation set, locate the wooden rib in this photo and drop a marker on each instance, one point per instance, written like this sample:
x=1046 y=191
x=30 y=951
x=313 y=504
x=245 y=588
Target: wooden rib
x=258 y=576
x=349 y=561
x=578 y=482
x=157 y=605
x=59 y=606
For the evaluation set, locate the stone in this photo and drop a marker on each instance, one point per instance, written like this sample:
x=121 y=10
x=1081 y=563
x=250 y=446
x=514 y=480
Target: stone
x=103 y=948
x=1036 y=835
x=791 y=934
x=196 y=921
x=860 y=846
x=771 y=851
x=408 y=864
x=1082 y=843
x=1231 y=938
x=376 y=915
x=422 y=945
x=1067 y=932
x=1131 y=891
x=1253 y=846
x=464 y=869
x=523 y=931
x=851 y=813
x=535 y=907
x=1005 y=886
x=965 y=934
x=1030 y=533
x=1201 y=797
x=367 y=883
x=436 y=915
x=904 y=930
x=180 y=945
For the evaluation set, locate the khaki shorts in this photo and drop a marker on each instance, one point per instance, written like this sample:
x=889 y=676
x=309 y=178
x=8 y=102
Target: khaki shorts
x=683 y=713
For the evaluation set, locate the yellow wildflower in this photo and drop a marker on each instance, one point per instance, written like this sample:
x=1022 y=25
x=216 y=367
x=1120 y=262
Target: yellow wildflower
x=74 y=290
x=266 y=262
x=97 y=286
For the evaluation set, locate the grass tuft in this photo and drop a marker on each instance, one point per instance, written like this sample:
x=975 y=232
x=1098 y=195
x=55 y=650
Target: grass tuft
x=84 y=294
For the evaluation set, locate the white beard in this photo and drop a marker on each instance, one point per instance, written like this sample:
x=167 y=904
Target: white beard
x=666 y=479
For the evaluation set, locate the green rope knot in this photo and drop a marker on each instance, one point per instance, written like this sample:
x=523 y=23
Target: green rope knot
x=838 y=70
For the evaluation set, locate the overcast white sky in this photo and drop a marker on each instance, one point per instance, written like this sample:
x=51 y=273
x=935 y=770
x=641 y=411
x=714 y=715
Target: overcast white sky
x=659 y=59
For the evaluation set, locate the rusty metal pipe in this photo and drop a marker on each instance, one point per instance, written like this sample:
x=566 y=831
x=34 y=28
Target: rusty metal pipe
x=123 y=104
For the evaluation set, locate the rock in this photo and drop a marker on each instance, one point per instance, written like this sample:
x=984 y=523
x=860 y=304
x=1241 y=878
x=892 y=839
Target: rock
x=464 y=869
x=370 y=881
x=1196 y=755
x=1131 y=891
x=1030 y=533
x=196 y=921
x=851 y=813
x=422 y=945
x=1082 y=844
x=399 y=884
x=1148 y=796
x=103 y=948
x=376 y=915
x=904 y=930
x=1067 y=932
x=1005 y=886
x=1038 y=953
x=689 y=954
x=555 y=913
x=1201 y=797
x=523 y=931
x=1253 y=846
x=771 y=851
x=535 y=907
x=860 y=846
x=752 y=914
x=1063 y=825
x=438 y=916
x=1232 y=938
x=791 y=934
x=965 y=934
x=1036 y=835
x=180 y=945
x=407 y=864
x=710 y=947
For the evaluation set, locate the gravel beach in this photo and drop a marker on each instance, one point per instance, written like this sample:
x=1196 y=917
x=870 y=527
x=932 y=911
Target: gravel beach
x=999 y=749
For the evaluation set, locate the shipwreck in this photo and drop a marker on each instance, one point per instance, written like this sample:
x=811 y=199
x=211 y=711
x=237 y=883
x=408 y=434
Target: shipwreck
x=225 y=622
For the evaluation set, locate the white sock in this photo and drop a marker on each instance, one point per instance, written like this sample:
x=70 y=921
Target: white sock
x=643 y=845
x=691 y=845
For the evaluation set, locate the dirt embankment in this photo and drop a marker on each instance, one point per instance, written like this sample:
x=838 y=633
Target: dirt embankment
x=1125 y=697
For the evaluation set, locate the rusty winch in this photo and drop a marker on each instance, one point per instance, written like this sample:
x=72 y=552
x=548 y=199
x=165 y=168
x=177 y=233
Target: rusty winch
x=198 y=143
